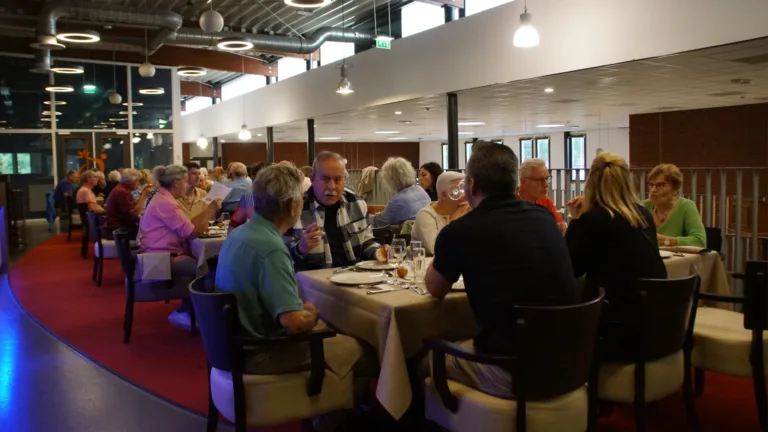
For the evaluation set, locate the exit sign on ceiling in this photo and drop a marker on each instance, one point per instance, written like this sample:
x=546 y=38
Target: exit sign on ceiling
x=383 y=43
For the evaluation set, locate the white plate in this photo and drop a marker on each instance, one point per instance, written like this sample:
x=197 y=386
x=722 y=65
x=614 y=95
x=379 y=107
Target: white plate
x=354 y=278
x=374 y=265
x=666 y=254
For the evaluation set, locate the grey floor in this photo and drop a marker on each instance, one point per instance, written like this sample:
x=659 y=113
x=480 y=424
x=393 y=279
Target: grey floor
x=47 y=386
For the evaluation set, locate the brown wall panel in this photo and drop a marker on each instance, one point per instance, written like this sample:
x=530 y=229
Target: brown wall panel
x=185 y=152
x=294 y=152
x=245 y=152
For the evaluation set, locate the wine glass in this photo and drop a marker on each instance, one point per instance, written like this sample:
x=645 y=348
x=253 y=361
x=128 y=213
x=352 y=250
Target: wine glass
x=455 y=193
x=396 y=255
x=398 y=242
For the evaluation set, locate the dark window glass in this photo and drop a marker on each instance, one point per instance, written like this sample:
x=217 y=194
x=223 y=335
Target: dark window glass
x=149 y=152
x=22 y=95
x=89 y=107
x=153 y=111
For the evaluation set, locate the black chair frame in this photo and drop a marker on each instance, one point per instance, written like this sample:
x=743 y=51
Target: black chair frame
x=230 y=356
x=96 y=221
x=69 y=207
x=128 y=264
x=82 y=209
x=519 y=365
x=638 y=326
x=755 y=308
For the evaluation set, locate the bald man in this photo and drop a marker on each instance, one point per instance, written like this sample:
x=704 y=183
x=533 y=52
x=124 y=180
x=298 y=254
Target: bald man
x=240 y=185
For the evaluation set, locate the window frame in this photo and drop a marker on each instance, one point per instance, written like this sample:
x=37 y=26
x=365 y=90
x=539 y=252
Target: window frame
x=569 y=155
x=534 y=139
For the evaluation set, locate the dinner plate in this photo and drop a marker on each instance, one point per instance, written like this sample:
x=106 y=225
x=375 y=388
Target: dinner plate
x=666 y=254
x=357 y=278
x=374 y=265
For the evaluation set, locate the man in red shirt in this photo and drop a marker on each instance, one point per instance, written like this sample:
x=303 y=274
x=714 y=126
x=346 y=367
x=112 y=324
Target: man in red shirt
x=534 y=187
x=122 y=211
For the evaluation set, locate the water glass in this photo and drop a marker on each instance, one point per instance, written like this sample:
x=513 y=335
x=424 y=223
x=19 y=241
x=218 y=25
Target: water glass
x=396 y=255
x=225 y=219
x=419 y=263
x=415 y=244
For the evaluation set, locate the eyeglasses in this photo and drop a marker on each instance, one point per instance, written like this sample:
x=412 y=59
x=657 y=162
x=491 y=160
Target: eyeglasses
x=335 y=180
x=546 y=180
x=657 y=185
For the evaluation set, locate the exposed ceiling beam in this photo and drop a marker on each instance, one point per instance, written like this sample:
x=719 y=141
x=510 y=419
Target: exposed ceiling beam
x=194 y=88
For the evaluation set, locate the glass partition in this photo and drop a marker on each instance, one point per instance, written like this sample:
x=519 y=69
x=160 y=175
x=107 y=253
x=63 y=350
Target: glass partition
x=151 y=98
x=89 y=106
x=22 y=95
x=28 y=159
x=151 y=150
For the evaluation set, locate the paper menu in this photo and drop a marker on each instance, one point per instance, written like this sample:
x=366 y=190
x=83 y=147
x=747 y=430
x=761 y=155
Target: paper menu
x=218 y=191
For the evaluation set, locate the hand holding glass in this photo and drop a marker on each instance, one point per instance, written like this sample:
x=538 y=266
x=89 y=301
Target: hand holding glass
x=457 y=192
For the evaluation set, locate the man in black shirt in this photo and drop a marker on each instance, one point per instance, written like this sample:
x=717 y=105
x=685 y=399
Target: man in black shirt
x=509 y=251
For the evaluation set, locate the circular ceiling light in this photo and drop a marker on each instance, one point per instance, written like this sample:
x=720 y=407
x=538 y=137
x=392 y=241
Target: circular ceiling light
x=69 y=70
x=234 y=44
x=100 y=126
x=126 y=112
x=117 y=119
x=152 y=90
x=191 y=71
x=55 y=102
x=59 y=88
x=47 y=43
x=49 y=113
x=307 y=3
x=83 y=36
x=133 y=104
x=47 y=119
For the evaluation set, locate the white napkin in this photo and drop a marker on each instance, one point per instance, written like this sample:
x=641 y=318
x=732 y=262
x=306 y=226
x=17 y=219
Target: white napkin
x=154 y=266
x=218 y=191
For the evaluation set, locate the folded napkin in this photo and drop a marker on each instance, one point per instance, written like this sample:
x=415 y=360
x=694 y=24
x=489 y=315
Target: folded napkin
x=154 y=266
x=686 y=249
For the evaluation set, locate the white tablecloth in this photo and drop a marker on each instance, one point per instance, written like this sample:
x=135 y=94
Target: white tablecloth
x=204 y=248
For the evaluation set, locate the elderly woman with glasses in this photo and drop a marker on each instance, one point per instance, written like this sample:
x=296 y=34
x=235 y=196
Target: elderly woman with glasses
x=534 y=187
x=400 y=177
x=677 y=219
x=432 y=218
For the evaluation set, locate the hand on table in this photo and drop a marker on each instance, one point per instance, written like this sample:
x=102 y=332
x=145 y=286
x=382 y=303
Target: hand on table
x=311 y=237
x=575 y=206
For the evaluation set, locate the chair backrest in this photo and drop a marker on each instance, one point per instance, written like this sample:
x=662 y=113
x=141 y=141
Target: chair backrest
x=82 y=209
x=756 y=295
x=217 y=321
x=95 y=222
x=123 y=243
x=555 y=346
x=714 y=238
x=383 y=235
x=69 y=204
x=664 y=315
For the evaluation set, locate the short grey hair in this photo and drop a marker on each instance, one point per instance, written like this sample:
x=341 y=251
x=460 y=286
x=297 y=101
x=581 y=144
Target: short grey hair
x=530 y=164
x=86 y=175
x=398 y=173
x=114 y=176
x=130 y=175
x=238 y=169
x=445 y=181
x=326 y=156
x=274 y=188
x=168 y=175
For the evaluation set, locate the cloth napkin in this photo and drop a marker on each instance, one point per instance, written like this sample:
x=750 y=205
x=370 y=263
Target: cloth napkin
x=686 y=249
x=154 y=266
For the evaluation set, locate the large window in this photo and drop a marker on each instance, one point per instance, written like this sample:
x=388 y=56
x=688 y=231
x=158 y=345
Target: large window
x=29 y=161
x=150 y=150
x=576 y=154
x=196 y=104
x=151 y=111
x=534 y=147
x=288 y=67
x=243 y=84
x=334 y=51
x=89 y=107
x=22 y=95
x=418 y=17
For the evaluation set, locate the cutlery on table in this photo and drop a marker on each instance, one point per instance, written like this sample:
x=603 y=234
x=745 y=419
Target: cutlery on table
x=343 y=269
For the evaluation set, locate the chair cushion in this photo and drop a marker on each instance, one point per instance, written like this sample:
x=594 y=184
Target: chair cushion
x=662 y=378
x=480 y=411
x=76 y=219
x=110 y=249
x=721 y=343
x=278 y=399
x=156 y=291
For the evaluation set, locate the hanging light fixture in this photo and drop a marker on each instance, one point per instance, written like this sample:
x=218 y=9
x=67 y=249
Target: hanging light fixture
x=60 y=88
x=114 y=96
x=202 y=142
x=234 y=44
x=244 y=134
x=152 y=90
x=85 y=36
x=190 y=71
x=526 y=35
x=211 y=21
x=68 y=70
x=146 y=69
x=344 y=87
x=150 y=135
x=307 y=4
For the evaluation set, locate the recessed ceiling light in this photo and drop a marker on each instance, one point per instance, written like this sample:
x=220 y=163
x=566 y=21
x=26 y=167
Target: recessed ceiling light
x=549 y=90
x=152 y=90
x=84 y=36
x=234 y=44
x=191 y=71
x=553 y=125
x=466 y=133
x=471 y=123
x=307 y=4
x=387 y=132
x=258 y=134
x=575 y=127
x=68 y=70
x=398 y=112
x=330 y=138
x=60 y=88
x=55 y=103
x=133 y=104
x=397 y=138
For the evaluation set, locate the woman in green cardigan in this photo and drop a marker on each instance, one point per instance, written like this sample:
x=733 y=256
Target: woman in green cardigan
x=677 y=219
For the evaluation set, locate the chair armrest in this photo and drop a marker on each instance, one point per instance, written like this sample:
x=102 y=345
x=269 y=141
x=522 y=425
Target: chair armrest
x=319 y=335
x=721 y=298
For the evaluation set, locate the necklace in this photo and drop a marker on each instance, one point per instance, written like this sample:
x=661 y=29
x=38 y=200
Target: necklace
x=662 y=216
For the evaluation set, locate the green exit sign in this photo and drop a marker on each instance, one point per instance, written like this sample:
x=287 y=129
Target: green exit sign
x=384 y=42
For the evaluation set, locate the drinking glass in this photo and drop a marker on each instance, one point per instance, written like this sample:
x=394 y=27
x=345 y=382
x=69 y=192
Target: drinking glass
x=415 y=244
x=457 y=192
x=396 y=255
x=225 y=219
x=398 y=242
x=419 y=264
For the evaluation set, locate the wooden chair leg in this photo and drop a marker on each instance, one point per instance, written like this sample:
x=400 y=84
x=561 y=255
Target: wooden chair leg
x=640 y=407
x=698 y=381
x=690 y=402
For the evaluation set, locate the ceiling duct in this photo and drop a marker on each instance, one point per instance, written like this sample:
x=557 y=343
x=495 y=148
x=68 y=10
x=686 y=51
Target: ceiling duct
x=168 y=21
x=295 y=45
x=42 y=62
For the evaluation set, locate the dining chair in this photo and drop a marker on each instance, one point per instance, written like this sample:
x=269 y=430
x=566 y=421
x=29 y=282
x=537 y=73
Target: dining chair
x=714 y=238
x=82 y=211
x=102 y=247
x=250 y=400
x=732 y=343
x=646 y=356
x=553 y=350
x=137 y=290
x=73 y=218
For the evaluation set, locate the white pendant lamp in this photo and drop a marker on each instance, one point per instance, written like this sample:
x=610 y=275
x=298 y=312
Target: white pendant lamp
x=202 y=142
x=146 y=69
x=344 y=87
x=244 y=134
x=211 y=21
x=526 y=35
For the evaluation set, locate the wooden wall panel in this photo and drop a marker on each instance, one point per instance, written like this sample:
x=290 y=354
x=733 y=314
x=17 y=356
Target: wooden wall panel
x=294 y=152
x=245 y=152
x=185 y=152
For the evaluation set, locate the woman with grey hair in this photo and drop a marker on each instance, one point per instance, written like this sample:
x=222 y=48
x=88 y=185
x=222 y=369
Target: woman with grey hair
x=85 y=195
x=432 y=218
x=164 y=228
x=399 y=176
x=113 y=179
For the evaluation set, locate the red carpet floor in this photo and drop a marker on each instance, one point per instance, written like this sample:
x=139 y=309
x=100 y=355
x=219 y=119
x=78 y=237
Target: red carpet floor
x=54 y=284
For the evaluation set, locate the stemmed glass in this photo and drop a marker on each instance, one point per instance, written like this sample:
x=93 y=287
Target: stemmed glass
x=396 y=254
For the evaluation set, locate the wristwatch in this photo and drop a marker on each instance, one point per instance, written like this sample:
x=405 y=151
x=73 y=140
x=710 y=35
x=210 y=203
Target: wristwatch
x=666 y=241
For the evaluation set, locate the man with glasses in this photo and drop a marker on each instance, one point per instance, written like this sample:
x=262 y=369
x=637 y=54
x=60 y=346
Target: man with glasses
x=333 y=229
x=534 y=187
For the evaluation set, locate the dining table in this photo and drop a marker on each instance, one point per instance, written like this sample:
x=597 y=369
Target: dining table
x=396 y=323
x=206 y=247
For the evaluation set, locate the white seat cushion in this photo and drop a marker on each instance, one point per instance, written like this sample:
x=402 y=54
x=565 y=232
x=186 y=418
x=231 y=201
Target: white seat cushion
x=481 y=412
x=278 y=399
x=662 y=378
x=721 y=343
x=110 y=249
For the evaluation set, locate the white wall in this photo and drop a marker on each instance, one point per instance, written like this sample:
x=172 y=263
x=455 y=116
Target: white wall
x=430 y=152
x=477 y=51
x=418 y=17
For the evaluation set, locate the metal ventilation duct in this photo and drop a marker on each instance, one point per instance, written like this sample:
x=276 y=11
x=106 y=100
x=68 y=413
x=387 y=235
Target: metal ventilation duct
x=296 y=45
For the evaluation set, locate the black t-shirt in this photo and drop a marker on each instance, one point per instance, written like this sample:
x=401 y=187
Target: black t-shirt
x=335 y=236
x=510 y=252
